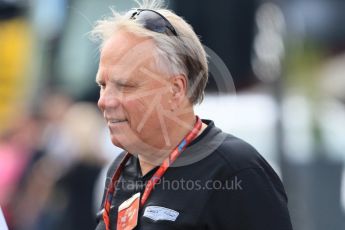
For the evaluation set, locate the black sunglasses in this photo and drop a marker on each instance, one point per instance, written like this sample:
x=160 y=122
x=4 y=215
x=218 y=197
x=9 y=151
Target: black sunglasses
x=153 y=21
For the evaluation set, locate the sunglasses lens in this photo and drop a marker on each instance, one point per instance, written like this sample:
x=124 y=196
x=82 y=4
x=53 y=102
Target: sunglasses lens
x=153 y=21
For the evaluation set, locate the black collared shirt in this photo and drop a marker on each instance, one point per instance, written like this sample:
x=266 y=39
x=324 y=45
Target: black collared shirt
x=218 y=182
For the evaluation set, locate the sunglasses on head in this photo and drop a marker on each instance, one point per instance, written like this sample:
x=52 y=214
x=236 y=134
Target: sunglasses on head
x=153 y=21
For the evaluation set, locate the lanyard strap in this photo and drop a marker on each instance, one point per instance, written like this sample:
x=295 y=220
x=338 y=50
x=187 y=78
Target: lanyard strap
x=155 y=178
x=111 y=190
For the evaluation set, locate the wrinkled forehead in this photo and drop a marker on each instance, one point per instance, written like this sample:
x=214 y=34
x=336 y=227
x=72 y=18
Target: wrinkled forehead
x=124 y=47
x=125 y=54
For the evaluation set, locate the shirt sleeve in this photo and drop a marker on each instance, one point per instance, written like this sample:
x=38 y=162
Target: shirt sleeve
x=3 y=224
x=252 y=199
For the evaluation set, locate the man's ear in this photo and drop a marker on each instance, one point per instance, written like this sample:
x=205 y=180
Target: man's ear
x=179 y=90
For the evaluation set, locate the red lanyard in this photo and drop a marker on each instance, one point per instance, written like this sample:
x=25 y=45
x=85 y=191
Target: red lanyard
x=155 y=178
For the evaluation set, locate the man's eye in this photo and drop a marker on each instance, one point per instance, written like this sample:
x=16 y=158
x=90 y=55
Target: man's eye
x=124 y=87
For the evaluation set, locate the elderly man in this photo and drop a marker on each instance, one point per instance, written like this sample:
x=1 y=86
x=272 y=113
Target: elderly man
x=177 y=171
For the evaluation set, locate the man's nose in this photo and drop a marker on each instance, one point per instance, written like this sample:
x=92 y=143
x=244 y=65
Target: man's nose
x=108 y=99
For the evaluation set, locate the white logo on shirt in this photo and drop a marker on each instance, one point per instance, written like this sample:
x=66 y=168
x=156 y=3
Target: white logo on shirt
x=160 y=213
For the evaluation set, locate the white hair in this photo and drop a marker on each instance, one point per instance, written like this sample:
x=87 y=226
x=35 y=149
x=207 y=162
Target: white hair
x=182 y=54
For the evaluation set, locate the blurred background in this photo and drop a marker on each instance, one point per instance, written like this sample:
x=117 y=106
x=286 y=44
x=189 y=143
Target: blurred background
x=285 y=95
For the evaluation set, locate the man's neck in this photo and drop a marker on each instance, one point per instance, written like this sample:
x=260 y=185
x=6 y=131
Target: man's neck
x=148 y=163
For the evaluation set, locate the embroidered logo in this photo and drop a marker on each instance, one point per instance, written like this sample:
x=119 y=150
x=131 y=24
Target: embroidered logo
x=160 y=213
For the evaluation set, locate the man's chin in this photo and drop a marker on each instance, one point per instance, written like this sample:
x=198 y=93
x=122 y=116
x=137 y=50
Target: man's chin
x=117 y=143
x=123 y=142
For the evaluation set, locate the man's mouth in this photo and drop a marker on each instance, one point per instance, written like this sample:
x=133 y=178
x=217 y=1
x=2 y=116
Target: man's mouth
x=116 y=121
